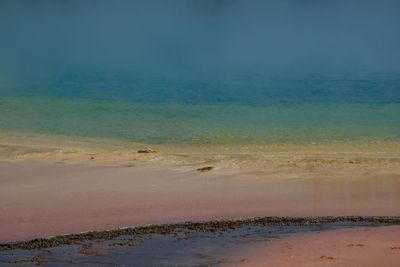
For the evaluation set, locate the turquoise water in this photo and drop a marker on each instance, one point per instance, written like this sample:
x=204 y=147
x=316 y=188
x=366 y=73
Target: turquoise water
x=201 y=123
x=201 y=71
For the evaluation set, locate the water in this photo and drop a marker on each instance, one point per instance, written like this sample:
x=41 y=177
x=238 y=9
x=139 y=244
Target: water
x=218 y=248
x=201 y=71
x=187 y=123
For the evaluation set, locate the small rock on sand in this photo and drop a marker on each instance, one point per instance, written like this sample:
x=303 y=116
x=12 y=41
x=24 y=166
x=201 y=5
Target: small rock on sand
x=205 y=169
x=356 y=245
x=146 y=150
x=326 y=258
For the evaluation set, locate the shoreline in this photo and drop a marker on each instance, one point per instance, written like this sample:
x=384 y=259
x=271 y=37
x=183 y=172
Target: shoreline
x=55 y=188
x=16 y=147
x=202 y=226
x=52 y=188
x=47 y=199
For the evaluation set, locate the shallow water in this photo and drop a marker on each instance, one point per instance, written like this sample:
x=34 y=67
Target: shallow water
x=217 y=248
x=201 y=124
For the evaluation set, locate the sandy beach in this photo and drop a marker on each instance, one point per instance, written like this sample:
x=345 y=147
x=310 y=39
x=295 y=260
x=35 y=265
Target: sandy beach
x=369 y=247
x=50 y=190
x=59 y=187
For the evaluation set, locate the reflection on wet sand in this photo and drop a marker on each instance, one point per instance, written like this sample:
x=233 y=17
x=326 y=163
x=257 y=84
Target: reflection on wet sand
x=245 y=245
x=360 y=246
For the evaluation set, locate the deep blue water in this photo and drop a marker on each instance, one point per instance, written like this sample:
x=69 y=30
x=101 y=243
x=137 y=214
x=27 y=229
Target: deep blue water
x=201 y=71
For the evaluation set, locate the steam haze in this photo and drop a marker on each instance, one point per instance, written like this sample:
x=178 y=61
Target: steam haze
x=194 y=40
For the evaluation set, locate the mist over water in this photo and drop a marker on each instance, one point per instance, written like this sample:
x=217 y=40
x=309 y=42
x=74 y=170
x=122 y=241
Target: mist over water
x=342 y=56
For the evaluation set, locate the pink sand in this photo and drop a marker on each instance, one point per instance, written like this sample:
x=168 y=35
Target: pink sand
x=39 y=199
x=366 y=247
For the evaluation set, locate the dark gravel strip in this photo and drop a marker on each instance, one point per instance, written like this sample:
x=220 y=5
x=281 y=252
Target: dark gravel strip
x=206 y=226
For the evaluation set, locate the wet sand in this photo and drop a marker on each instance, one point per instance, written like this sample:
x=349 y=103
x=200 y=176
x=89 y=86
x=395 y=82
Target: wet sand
x=213 y=243
x=52 y=185
x=39 y=199
x=363 y=246
x=56 y=188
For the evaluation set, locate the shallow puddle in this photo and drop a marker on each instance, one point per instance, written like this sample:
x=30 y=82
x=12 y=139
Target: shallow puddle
x=182 y=248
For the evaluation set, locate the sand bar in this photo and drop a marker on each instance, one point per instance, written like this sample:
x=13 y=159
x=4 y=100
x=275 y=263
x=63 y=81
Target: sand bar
x=39 y=199
x=51 y=185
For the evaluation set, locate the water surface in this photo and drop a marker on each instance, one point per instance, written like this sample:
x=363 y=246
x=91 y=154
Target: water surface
x=201 y=71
